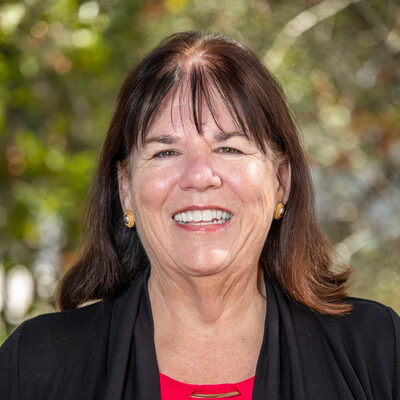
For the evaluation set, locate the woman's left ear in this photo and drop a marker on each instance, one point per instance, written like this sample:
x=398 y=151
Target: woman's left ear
x=284 y=174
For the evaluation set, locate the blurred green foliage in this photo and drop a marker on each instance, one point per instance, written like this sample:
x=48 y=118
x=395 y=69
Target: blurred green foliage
x=63 y=62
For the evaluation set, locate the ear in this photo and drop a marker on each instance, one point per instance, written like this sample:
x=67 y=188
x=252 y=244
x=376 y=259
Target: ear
x=284 y=174
x=124 y=186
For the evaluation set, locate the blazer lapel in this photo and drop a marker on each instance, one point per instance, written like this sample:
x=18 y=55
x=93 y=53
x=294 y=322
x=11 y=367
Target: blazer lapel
x=132 y=371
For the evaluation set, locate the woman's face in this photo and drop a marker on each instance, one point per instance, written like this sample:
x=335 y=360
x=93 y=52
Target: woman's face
x=203 y=204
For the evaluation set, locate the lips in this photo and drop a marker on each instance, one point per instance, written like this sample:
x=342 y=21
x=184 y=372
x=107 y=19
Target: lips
x=209 y=216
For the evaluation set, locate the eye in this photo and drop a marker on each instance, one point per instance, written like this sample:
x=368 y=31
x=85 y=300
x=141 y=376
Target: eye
x=228 y=150
x=165 y=154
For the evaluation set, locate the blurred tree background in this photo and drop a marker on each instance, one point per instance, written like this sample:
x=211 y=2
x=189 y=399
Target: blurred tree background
x=62 y=63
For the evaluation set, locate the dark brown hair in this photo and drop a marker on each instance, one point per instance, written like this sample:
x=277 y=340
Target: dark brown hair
x=296 y=254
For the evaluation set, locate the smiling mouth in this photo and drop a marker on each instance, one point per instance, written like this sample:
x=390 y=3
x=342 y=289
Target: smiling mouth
x=202 y=217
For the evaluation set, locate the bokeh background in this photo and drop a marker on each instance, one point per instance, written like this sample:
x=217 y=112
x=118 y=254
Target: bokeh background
x=62 y=63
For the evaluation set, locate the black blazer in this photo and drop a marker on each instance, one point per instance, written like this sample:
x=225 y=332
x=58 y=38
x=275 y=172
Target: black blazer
x=106 y=351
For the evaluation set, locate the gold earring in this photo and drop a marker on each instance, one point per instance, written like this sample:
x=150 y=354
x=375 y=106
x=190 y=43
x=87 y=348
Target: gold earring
x=129 y=219
x=279 y=211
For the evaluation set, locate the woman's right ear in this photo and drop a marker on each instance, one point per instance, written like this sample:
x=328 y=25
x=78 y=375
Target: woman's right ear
x=124 y=186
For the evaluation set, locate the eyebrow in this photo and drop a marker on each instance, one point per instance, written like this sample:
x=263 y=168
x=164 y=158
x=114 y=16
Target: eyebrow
x=224 y=136
x=165 y=139
x=168 y=139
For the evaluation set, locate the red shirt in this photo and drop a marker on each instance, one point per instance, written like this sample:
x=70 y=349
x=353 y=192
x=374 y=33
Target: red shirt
x=175 y=390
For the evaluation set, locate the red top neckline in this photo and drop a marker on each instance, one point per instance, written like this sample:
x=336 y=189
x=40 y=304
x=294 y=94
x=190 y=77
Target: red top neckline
x=172 y=389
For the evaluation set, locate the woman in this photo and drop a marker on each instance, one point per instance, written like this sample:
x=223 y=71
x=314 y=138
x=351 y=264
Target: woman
x=215 y=279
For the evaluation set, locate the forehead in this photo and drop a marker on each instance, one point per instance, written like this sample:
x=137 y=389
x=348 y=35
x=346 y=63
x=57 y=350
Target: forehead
x=180 y=111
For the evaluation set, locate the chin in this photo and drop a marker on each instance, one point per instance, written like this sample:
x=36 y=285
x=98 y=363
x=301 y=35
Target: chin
x=205 y=263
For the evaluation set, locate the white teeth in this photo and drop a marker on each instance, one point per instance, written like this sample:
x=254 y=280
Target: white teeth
x=196 y=216
x=207 y=215
x=203 y=217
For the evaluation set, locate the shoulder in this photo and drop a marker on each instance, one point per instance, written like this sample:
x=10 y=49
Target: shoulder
x=80 y=324
x=65 y=325
x=363 y=346
x=42 y=349
x=369 y=334
x=50 y=336
x=75 y=331
x=76 y=326
x=363 y=309
x=88 y=315
x=61 y=349
x=367 y=317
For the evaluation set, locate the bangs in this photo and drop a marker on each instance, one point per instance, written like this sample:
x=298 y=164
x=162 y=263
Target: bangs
x=193 y=88
x=199 y=72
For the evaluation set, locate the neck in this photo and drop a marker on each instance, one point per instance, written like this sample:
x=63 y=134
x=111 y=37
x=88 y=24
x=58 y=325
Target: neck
x=208 y=301
x=203 y=319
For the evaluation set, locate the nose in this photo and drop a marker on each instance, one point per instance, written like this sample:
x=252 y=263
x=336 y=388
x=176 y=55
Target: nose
x=199 y=173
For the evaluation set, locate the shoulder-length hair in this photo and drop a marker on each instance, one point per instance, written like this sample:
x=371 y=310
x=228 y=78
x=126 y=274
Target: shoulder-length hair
x=296 y=254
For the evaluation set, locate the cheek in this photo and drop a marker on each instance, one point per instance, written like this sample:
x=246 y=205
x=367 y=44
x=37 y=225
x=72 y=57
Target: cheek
x=151 y=188
x=254 y=183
